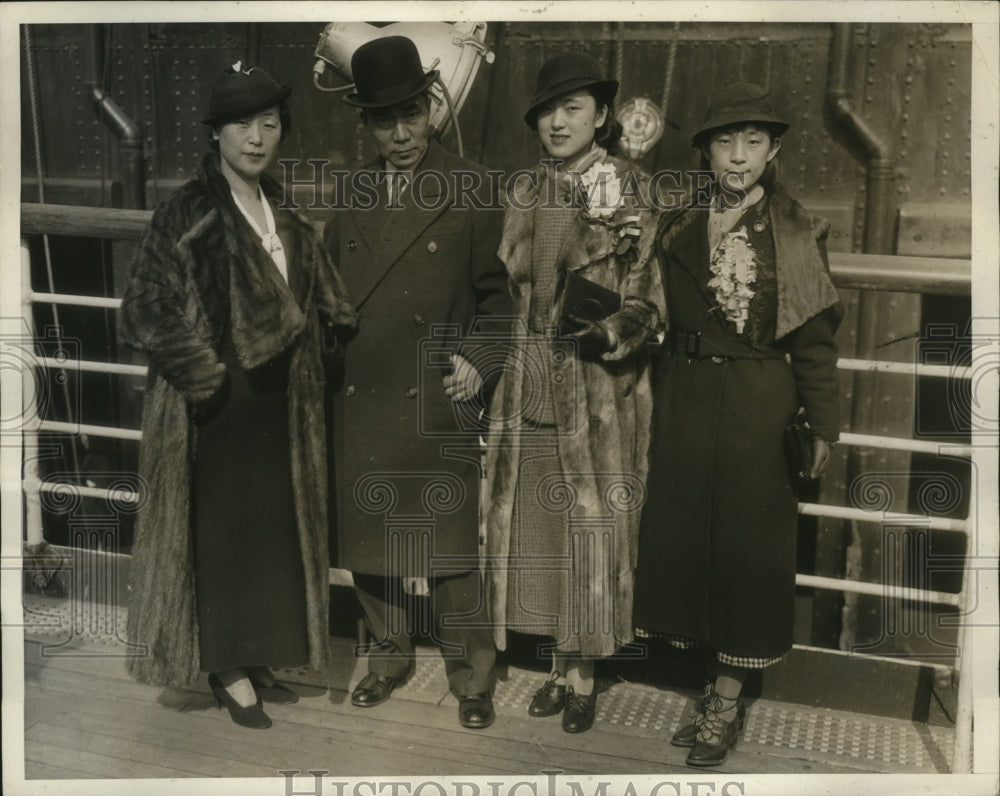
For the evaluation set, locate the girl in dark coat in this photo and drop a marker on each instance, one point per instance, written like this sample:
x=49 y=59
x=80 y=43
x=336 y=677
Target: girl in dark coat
x=233 y=300
x=566 y=457
x=752 y=314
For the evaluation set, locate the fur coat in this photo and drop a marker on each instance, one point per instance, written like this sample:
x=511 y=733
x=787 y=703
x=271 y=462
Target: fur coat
x=198 y=271
x=602 y=408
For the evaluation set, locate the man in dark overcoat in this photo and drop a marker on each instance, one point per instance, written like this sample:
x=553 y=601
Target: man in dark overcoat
x=415 y=240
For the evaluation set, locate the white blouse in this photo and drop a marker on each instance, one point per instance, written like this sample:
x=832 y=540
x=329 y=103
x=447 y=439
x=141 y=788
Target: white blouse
x=268 y=238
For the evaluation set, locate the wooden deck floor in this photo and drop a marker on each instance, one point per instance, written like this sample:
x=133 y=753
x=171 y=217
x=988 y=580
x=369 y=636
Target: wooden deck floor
x=85 y=718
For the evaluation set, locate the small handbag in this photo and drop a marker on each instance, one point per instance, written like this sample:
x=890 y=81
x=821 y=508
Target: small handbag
x=798 y=439
x=584 y=300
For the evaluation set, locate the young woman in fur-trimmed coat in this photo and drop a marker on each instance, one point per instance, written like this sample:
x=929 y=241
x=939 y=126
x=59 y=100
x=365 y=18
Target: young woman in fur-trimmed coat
x=234 y=301
x=752 y=316
x=566 y=456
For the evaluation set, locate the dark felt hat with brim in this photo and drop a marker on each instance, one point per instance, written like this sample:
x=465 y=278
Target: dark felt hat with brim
x=242 y=91
x=740 y=103
x=387 y=71
x=565 y=73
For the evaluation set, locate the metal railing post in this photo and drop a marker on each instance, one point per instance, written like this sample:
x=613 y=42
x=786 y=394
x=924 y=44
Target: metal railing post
x=30 y=415
x=961 y=757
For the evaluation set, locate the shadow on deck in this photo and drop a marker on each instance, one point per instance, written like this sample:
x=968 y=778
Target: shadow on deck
x=86 y=718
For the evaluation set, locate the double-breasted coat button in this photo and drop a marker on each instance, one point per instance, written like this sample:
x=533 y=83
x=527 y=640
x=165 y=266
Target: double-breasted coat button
x=418 y=319
x=411 y=392
x=432 y=247
x=350 y=390
x=352 y=245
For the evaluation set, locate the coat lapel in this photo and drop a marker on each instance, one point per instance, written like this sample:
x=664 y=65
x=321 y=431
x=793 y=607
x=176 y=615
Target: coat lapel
x=804 y=286
x=389 y=233
x=519 y=228
x=369 y=222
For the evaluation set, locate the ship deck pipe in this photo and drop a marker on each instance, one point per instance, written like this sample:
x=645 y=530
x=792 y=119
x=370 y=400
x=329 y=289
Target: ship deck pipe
x=125 y=129
x=880 y=168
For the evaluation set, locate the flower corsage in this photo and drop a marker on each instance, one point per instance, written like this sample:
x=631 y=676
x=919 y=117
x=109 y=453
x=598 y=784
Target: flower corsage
x=734 y=266
x=601 y=189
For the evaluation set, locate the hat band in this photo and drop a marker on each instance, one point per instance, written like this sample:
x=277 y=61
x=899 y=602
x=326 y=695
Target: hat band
x=569 y=84
x=237 y=110
x=390 y=95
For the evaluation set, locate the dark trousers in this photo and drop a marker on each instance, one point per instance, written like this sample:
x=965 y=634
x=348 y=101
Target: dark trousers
x=454 y=616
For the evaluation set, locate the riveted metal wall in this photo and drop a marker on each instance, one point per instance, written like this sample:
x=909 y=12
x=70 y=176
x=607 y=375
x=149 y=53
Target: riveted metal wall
x=912 y=81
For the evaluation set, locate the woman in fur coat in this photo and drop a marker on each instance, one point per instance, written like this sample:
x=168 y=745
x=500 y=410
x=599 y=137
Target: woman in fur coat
x=752 y=316
x=235 y=302
x=566 y=456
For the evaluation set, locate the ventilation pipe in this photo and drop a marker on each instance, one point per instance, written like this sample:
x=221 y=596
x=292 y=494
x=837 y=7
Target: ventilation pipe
x=881 y=165
x=130 y=146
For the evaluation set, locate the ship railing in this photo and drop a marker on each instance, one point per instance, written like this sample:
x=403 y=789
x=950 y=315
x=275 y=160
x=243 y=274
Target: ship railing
x=925 y=275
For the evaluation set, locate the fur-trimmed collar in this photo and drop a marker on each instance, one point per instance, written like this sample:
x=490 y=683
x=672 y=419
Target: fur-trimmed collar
x=265 y=318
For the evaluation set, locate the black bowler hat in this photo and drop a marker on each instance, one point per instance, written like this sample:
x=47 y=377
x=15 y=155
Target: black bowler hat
x=564 y=73
x=387 y=71
x=738 y=103
x=241 y=91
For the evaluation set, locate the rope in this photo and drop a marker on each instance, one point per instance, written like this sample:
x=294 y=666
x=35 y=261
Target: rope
x=454 y=116
x=153 y=120
x=619 y=53
x=39 y=171
x=668 y=76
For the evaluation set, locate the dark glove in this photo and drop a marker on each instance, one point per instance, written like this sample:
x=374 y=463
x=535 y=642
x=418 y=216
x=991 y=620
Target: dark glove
x=332 y=347
x=203 y=412
x=340 y=334
x=591 y=337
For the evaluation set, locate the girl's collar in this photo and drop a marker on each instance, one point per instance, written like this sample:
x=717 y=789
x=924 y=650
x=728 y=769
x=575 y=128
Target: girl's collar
x=553 y=168
x=754 y=195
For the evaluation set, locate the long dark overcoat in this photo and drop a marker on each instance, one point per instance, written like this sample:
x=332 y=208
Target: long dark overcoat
x=198 y=272
x=718 y=533
x=427 y=282
x=602 y=407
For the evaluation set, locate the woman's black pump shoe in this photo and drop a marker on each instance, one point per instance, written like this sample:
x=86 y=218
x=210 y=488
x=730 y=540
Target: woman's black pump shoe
x=253 y=717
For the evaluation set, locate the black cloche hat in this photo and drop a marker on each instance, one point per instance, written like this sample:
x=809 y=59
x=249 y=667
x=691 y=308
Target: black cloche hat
x=243 y=90
x=740 y=102
x=387 y=71
x=564 y=73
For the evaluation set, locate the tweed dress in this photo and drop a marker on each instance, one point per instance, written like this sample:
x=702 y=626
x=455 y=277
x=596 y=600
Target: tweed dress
x=538 y=600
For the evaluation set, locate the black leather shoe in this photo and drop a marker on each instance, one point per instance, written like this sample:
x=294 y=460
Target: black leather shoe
x=475 y=711
x=578 y=714
x=253 y=717
x=688 y=734
x=716 y=737
x=548 y=700
x=373 y=690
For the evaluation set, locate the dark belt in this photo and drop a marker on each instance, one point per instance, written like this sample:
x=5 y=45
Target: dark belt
x=695 y=345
